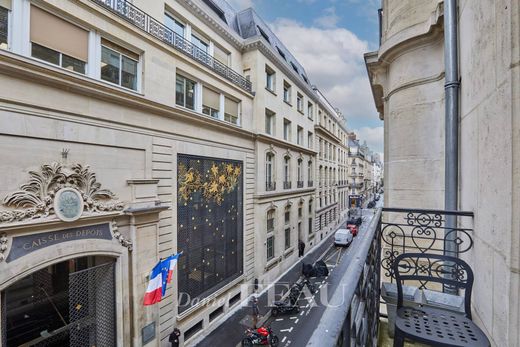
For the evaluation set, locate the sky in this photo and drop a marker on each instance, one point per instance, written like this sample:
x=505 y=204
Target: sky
x=329 y=37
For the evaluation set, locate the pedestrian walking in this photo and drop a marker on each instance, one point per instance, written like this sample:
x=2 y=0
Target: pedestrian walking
x=301 y=248
x=256 y=311
x=174 y=337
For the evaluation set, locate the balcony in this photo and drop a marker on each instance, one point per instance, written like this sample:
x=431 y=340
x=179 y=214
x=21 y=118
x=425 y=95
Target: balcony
x=287 y=184
x=153 y=27
x=369 y=294
x=310 y=184
x=270 y=186
x=299 y=184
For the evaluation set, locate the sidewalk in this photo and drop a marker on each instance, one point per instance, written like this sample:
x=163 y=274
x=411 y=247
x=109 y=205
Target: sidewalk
x=231 y=331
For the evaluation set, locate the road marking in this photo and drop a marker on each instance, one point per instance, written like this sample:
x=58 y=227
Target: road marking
x=288 y=330
x=279 y=319
x=301 y=314
x=293 y=317
x=323 y=280
x=320 y=286
x=296 y=321
x=308 y=311
x=284 y=338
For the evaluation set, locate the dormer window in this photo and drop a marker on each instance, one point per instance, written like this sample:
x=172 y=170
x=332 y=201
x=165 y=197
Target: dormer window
x=264 y=35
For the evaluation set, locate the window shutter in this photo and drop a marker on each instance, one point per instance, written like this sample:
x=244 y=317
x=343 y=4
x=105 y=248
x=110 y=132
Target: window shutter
x=231 y=107
x=220 y=55
x=5 y=4
x=55 y=33
x=211 y=99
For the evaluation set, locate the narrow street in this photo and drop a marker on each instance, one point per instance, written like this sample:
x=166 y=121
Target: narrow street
x=296 y=329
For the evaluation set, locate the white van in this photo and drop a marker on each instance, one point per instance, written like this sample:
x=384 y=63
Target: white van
x=342 y=237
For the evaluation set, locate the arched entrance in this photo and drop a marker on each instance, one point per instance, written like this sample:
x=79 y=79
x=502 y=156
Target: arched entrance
x=71 y=303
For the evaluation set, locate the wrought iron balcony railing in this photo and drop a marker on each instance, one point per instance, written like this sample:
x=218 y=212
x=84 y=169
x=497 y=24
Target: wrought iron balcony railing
x=287 y=184
x=299 y=184
x=148 y=24
x=310 y=183
x=353 y=317
x=270 y=186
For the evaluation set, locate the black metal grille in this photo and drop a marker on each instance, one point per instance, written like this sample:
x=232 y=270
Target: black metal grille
x=92 y=306
x=209 y=226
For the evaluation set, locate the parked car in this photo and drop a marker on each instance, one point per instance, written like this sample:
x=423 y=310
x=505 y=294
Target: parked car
x=343 y=237
x=371 y=204
x=355 y=217
x=353 y=229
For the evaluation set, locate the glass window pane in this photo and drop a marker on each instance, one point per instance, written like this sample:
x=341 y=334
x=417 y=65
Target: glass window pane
x=46 y=54
x=179 y=91
x=4 y=27
x=110 y=65
x=129 y=73
x=190 y=94
x=174 y=25
x=199 y=43
x=72 y=64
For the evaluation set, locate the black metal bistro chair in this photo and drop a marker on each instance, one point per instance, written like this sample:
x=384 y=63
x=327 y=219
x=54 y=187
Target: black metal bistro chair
x=435 y=326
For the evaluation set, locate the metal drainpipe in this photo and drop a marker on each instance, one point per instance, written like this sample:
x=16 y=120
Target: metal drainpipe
x=451 y=88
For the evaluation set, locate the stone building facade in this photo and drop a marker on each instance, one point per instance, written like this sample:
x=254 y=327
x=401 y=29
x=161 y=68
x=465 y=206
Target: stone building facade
x=407 y=79
x=331 y=143
x=131 y=131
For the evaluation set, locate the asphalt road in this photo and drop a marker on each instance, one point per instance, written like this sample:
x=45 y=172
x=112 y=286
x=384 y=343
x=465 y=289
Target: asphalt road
x=297 y=328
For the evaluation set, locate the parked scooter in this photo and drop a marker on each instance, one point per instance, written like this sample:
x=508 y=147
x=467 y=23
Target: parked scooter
x=261 y=336
x=289 y=305
x=298 y=287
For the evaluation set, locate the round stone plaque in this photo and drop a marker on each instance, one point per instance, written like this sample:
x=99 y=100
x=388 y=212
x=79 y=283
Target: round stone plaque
x=68 y=204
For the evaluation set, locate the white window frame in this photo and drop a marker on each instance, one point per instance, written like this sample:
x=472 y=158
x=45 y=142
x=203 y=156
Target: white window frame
x=138 y=69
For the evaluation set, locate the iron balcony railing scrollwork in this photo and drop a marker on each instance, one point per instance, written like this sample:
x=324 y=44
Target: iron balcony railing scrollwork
x=299 y=184
x=287 y=184
x=422 y=231
x=148 y=24
x=310 y=183
x=270 y=186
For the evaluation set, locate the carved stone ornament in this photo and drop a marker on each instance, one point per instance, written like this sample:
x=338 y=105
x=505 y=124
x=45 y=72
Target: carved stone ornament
x=77 y=186
x=3 y=246
x=119 y=237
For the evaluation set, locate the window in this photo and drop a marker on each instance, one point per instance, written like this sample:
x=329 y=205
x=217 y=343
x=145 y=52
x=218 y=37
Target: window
x=218 y=11
x=185 y=92
x=310 y=226
x=210 y=102
x=300 y=170
x=56 y=41
x=299 y=136
x=175 y=25
x=286 y=92
x=200 y=43
x=300 y=211
x=310 y=110
x=269 y=122
x=269 y=172
x=269 y=78
x=295 y=68
x=4 y=26
x=270 y=247
x=287 y=238
x=282 y=54
x=287 y=130
x=309 y=170
x=310 y=206
x=309 y=139
x=221 y=55
x=231 y=111
x=118 y=65
x=270 y=220
x=264 y=35
x=287 y=169
x=299 y=102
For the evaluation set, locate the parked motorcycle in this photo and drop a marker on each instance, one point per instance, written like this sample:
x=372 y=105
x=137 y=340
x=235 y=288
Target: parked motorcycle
x=289 y=305
x=298 y=287
x=261 y=336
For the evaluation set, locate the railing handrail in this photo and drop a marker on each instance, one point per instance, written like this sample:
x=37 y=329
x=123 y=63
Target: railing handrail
x=422 y=210
x=331 y=323
x=155 y=28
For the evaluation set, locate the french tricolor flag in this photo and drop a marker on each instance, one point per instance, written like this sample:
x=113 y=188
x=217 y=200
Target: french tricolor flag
x=159 y=278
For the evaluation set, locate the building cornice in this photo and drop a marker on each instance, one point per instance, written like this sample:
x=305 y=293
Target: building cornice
x=26 y=68
x=323 y=130
x=281 y=143
x=284 y=195
x=257 y=43
x=214 y=22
